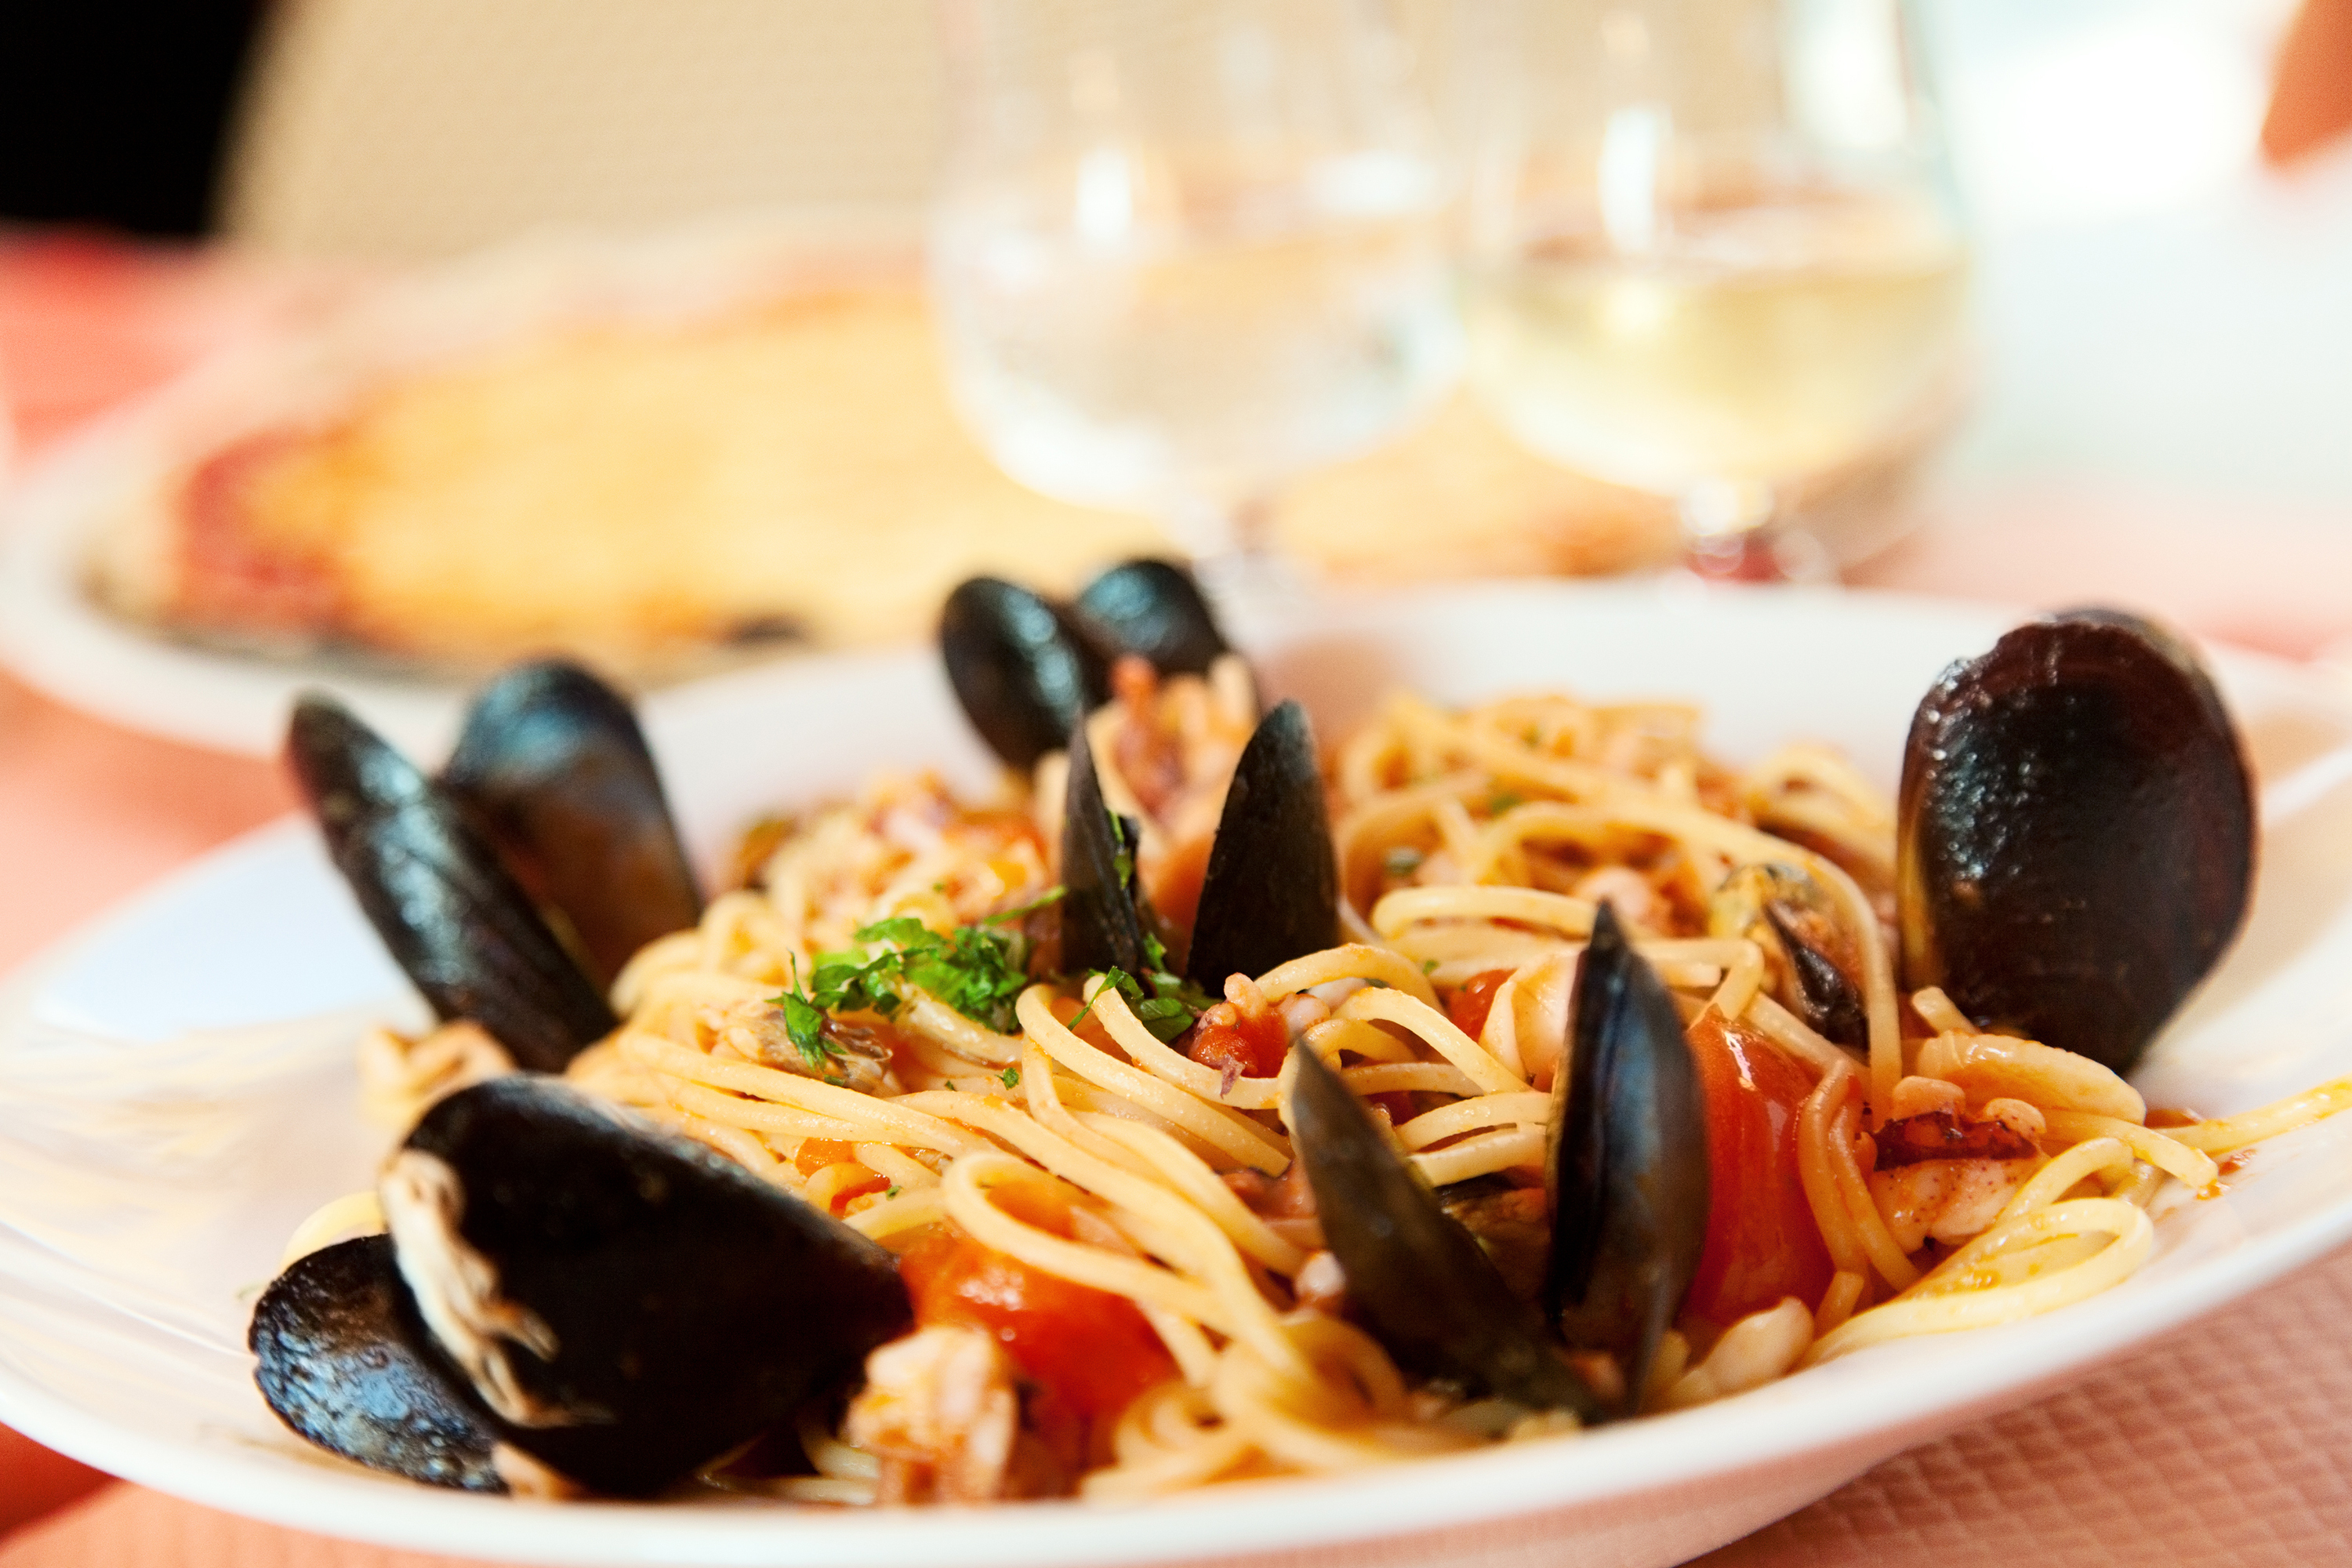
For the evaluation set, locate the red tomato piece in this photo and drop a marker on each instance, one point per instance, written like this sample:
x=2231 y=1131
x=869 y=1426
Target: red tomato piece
x=1468 y=1007
x=1090 y=1352
x=1761 y=1241
x=1253 y=1043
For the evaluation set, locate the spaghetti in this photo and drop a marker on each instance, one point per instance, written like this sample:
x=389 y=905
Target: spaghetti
x=1102 y=1178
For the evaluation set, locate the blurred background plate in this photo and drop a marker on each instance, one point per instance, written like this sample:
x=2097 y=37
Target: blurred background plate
x=667 y=456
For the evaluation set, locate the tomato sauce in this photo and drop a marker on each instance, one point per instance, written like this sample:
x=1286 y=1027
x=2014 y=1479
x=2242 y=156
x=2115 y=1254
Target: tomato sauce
x=1761 y=1241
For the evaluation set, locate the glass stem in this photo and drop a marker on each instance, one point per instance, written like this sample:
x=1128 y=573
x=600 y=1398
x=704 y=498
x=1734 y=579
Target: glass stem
x=1231 y=543
x=1733 y=532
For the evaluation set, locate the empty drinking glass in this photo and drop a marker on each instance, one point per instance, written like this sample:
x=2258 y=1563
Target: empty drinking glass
x=1187 y=248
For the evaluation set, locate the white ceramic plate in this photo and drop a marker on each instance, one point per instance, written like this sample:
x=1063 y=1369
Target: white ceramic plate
x=151 y=1161
x=56 y=638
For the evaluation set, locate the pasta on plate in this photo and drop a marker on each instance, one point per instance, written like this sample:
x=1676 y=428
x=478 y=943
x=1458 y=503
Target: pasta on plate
x=1122 y=1246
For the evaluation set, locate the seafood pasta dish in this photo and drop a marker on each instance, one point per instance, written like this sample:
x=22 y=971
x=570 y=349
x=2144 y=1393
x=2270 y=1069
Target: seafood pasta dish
x=1219 y=1101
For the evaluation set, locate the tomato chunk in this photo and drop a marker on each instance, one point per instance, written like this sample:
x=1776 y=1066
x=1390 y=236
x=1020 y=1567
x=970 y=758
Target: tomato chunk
x=1090 y=1352
x=1761 y=1241
x=1251 y=1043
x=1468 y=1007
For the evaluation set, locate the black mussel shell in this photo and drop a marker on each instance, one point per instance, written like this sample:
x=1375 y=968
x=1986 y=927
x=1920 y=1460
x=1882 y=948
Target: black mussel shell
x=343 y=1359
x=1827 y=998
x=1629 y=1162
x=1416 y=1278
x=2075 y=838
x=679 y=1305
x=1101 y=926
x=552 y=763
x=1024 y=676
x=454 y=919
x=1272 y=891
x=1153 y=609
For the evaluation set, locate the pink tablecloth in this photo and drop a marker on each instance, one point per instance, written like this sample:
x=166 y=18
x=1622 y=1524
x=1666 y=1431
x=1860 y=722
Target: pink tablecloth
x=2230 y=1442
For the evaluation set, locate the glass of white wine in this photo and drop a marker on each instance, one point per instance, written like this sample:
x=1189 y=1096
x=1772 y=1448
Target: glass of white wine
x=1714 y=254
x=1185 y=249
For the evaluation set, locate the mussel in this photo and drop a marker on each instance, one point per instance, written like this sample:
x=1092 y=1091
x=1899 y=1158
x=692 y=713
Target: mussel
x=1154 y=609
x=2075 y=840
x=1103 y=923
x=1424 y=1287
x=1785 y=911
x=1272 y=889
x=430 y=881
x=1026 y=670
x=1023 y=674
x=1627 y=1167
x=513 y=889
x=341 y=1356
x=618 y=1304
x=552 y=763
x=1627 y=1181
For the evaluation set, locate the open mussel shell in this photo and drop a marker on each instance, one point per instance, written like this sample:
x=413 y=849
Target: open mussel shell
x=1271 y=889
x=457 y=921
x=1628 y=1163
x=1827 y=999
x=343 y=1359
x=633 y=1304
x=1101 y=926
x=552 y=763
x=1418 y=1280
x=2075 y=834
x=1023 y=674
x=1153 y=609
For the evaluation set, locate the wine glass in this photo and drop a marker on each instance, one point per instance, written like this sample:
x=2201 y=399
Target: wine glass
x=1184 y=249
x=1713 y=252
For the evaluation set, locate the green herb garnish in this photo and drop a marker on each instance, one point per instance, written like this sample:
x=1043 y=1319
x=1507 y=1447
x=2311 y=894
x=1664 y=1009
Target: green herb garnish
x=804 y=1021
x=978 y=970
x=1163 y=1003
x=1502 y=800
x=1401 y=861
x=1010 y=1077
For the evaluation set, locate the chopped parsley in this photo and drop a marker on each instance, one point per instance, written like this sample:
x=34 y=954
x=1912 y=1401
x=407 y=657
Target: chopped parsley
x=978 y=970
x=1010 y=1077
x=1502 y=800
x=1163 y=1003
x=805 y=1022
x=1403 y=860
x=892 y=1193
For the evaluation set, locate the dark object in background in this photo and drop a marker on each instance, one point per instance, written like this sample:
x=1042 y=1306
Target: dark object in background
x=112 y=113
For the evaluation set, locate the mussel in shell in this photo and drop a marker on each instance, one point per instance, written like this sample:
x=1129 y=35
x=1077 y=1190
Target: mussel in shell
x=554 y=764
x=1026 y=669
x=2075 y=834
x=1023 y=674
x=1102 y=922
x=1153 y=609
x=343 y=1359
x=1417 y=1277
x=1272 y=892
x=1785 y=911
x=433 y=885
x=621 y=1305
x=1628 y=1164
